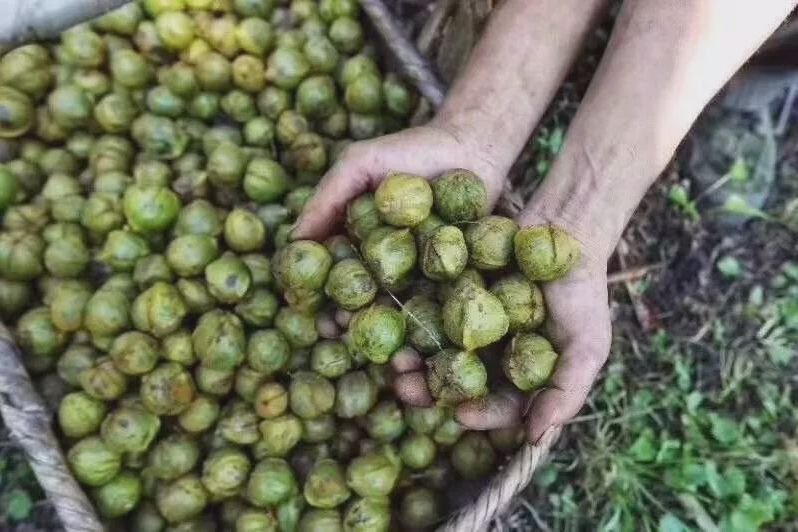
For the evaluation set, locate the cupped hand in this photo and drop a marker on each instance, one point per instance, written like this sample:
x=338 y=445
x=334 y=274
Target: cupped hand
x=578 y=325
x=427 y=151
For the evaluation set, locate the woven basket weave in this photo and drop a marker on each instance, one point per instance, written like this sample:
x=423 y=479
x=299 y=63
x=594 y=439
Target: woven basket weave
x=30 y=421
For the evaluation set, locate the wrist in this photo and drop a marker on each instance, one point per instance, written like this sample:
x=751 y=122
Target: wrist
x=592 y=193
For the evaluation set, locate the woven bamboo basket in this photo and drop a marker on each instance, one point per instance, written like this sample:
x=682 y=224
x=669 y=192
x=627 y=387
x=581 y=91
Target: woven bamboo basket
x=25 y=412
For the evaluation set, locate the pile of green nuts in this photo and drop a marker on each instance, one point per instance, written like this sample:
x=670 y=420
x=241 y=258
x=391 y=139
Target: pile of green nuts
x=208 y=374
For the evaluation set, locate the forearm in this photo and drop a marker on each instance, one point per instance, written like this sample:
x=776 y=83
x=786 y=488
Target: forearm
x=514 y=72
x=665 y=61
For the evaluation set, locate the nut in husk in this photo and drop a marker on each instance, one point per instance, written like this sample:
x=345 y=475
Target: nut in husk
x=529 y=361
x=474 y=318
x=455 y=376
x=522 y=301
x=130 y=429
x=472 y=456
x=350 y=285
x=403 y=200
x=490 y=242
x=545 y=252
x=390 y=255
x=374 y=474
x=444 y=255
x=460 y=196
x=377 y=332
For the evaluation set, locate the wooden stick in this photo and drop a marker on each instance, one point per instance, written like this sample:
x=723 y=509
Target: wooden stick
x=36 y=20
x=415 y=66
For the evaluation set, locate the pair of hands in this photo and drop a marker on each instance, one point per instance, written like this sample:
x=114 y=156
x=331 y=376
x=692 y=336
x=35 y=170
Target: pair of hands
x=578 y=316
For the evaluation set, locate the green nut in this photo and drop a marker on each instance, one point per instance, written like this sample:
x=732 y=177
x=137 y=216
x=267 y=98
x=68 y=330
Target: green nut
x=522 y=301
x=259 y=308
x=444 y=255
x=159 y=136
x=239 y=424
x=70 y=106
x=390 y=255
x=279 y=436
x=239 y=105
x=195 y=295
x=419 y=508
x=356 y=66
x=188 y=255
x=130 y=429
x=460 y=196
x=15 y=297
x=355 y=394
x=80 y=414
x=271 y=400
x=403 y=200
x=341 y=248
x=545 y=252
x=219 y=340
x=287 y=67
x=181 y=499
x=9 y=188
x=271 y=482
x=38 y=336
x=315 y=97
x=490 y=242
x=18 y=113
x=385 y=422
x=273 y=101
x=93 y=462
x=448 y=432
x=310 y=395
x=259 y=131
x=102 y=213
x=529 y=361
x=472 y=456
x=243 y=231
x=346 y=34
x=162 y=101
x=325 y=486
x=228 y=278
x=200 y=218
x=308 y=154
x=265 y=181
x=119 y=496
x=417 y=451
x=103 y=381
x=82 y=47
x=200 y=415
x=167 y=390
x=321 y=54
x=255 y=36
x=216 y=382
x=268 y=351
x=225 y=471
x=290 y=124
x=134 y=353
x=316 y=520
x=159 y=310
x=227 y=164
x=455 y=376
x=377 y=332
x=424 y=319
x=374 y=474
x=350 y=285
x=364 y=94
x=424 y=420
x=214 y=72
x=130 y=69
x=27 y=69
x=173 y=457
x=21 y=255
x=330 y=358
x=175 y=29
x=303 y=264
x=319 y=429
x=150 y=208
x=399 y=100
x=369 y=514
x=256 y=521
x=151 y=269
x=474 y=318
x=177 y=347
x=67 y=305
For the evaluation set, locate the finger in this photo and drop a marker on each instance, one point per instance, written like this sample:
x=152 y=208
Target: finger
x=325 y=211
x=411 y=388
x=407 y=360
x=496 y=411
x=568 y=388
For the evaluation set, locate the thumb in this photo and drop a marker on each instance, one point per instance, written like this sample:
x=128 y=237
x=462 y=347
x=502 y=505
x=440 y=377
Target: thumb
x=568 y=388
x=326 y=210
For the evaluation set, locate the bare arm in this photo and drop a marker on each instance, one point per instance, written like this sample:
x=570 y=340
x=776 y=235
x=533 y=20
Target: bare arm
x=666 y=59
x=514 y=72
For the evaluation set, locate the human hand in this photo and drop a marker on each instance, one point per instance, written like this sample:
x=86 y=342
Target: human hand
x=428 y=151
x=578 y=325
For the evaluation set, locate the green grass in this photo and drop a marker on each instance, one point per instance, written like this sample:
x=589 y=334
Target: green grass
x=689 y=434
